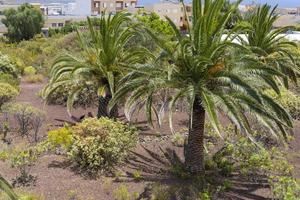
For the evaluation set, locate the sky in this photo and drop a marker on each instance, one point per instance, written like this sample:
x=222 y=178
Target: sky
x=281 y=3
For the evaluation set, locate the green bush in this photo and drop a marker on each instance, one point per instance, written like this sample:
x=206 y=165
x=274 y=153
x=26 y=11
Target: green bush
x=122 y=193
x=7 y=66
x=285 y=188
x=10 y=79
x=23 y=160
x=100 y=144
x=61 y=137
x=29 y=71
x=7 y=93
x=288 y=100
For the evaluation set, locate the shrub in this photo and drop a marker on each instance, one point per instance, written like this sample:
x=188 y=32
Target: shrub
x=35 y=78
x=29 y=71
x=27 y=117
x=285 y=188
x=7 y=66
x=178 y=139
x=100 y=144
x=87 y=97
x=288 y=100
x=137 y=175
x=7 y=93
x=37 y=120
x=61 y=137
x=10 y=79
x=23 y=160
x=122 y=193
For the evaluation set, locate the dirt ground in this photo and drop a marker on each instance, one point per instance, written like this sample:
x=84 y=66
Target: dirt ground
x=57 y=181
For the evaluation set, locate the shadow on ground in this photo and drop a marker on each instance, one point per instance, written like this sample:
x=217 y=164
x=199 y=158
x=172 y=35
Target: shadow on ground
x=164 y=167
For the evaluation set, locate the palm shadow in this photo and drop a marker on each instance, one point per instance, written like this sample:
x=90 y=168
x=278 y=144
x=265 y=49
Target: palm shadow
x=162 y=166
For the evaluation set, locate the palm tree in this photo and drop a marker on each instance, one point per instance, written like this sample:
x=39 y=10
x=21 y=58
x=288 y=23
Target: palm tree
x=7 y=188
x=268 y=44
x=195 y=67
x=102 y=60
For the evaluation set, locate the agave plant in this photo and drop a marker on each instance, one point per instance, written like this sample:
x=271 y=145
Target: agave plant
x=102 y=62
x=195 y=67
x=7 y=188
x=268 y=44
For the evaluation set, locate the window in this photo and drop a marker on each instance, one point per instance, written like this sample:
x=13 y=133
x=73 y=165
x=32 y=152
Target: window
x=104 y=5
x=54 y=25
x=111 y=5
x=60 y=24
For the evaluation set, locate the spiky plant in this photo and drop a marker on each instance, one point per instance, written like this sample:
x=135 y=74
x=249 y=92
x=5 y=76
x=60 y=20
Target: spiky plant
x=7 y=188
x=269 y=44
x=194 y=66
x=102 y=60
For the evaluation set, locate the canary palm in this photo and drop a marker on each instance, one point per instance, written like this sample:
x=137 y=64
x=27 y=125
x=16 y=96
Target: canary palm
x=195 y=67
x=103 y=58
x=7 y=188
x=268 y=44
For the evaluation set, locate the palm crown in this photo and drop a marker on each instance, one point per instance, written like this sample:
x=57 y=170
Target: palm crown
x=268 y=44
x=102 y=60
x=195 y=67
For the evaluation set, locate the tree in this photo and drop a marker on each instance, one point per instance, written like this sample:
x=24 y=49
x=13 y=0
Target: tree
x=23 y=23
x=153 y=21
x=103 y=60
x=195 y=67
x=268 y=44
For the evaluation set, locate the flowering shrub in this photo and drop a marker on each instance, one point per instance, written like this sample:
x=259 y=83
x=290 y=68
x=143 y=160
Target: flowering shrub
x=100 y=144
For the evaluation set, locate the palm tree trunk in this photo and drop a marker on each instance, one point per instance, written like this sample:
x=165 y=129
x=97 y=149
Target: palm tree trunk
x=103 y=106
x=194 y=149
x=103 y=110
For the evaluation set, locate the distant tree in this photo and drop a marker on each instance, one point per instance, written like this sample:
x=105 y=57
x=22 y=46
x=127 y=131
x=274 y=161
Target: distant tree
x=23 y=23
x=154 y=22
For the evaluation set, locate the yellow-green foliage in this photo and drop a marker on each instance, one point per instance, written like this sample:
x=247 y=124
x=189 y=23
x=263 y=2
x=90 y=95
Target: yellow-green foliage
x=161 y=192
x=29 y=71
x=137 y=175
x=39 y=51
x=10 y=79
x=7 y=66
x=288 y=100
x=7 y=93
x=61 y=137
x=4 y=155
x=122 y=193
x=285 y=188
x=34 y=78
x=101 y=143
x=178 y=139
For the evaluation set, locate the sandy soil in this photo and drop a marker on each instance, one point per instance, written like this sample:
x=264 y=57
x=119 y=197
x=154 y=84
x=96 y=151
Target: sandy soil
x=57 y=181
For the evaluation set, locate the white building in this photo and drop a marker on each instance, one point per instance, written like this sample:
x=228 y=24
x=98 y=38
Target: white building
x=82 y=8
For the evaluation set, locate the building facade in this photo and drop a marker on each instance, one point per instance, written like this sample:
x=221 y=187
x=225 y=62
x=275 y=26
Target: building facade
x=111 y=6
x=175 y=11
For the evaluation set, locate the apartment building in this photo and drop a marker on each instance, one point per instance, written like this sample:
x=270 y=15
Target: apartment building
x=175 y=11
x=111 y=6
